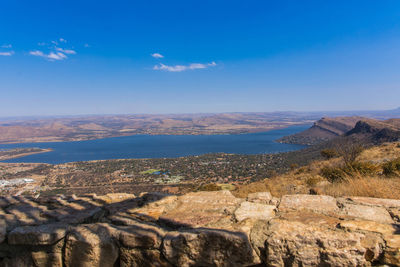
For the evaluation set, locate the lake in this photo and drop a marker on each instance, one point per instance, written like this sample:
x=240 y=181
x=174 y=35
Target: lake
x=159 y=146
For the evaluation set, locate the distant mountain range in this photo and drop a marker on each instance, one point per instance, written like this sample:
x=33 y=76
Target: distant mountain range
x=74 y=128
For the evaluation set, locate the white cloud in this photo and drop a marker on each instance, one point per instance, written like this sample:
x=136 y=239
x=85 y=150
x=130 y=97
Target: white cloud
x=66 y=51
x=157 y=55
x=37 y=53
x=56 y=56
x=52 y=56
x=7 y=54
x=62 y=40
x=179 y=68
x=176 y=68
x=6 y=46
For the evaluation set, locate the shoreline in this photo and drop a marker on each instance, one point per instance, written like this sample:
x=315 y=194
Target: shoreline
x=43 y=150
x=57 y=140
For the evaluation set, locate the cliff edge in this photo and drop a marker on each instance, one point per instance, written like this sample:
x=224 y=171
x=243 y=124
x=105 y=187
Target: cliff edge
x=199 y=229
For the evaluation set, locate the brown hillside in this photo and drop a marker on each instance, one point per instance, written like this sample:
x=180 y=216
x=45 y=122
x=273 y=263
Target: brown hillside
x=323 y=130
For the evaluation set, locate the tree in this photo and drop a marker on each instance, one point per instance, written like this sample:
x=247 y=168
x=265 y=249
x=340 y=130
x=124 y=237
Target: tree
x=349 y=149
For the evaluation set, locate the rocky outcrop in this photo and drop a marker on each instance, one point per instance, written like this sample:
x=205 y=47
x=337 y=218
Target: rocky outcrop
x=376 y=131
x=199 y=229
x=322 y=130
x=359 y=128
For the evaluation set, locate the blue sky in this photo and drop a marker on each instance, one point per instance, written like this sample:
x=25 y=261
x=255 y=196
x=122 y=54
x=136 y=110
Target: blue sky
x=110 y=57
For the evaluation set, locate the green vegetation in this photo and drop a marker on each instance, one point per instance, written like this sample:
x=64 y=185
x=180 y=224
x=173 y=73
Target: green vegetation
x=391 y=168
x=229 y=187
x=150 y=171
x=341 y=172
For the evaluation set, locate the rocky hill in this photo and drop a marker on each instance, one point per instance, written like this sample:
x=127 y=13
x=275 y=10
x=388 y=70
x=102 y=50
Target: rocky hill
x=326 y=129
x=322 y=130
x=376 y=131
x=199 y=229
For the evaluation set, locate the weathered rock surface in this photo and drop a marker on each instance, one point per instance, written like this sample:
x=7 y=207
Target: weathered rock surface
x=260 y=197
x=205 y=247
x=46 y=234
x=314 y=203
x=91 y=245
x=249 y=210
x=199 y=229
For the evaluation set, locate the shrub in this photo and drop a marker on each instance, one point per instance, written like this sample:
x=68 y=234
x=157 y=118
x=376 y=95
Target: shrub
x=354 y=169
x=294 y=166
x=362 y=168
x=301 y=170
x=209 y=187
x=391 y=168
x=312 y=181
x=329 y=153
x=333 y=174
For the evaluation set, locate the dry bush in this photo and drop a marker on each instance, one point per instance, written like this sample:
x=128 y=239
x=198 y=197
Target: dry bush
x=294 y=166
x=329 y=153
x=243 y=190
x=333 y=174
x=348 y=149
x=209 y=187
x=313 y=180
x=391 y=168
x=358 y=178
x=341 y=172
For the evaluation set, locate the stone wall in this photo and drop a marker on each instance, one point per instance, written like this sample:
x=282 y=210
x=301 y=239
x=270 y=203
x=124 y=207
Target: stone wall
x=199 y=229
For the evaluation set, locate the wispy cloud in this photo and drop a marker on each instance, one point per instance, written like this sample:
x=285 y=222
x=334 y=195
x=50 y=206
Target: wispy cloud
x=66 y=51
x=7 y=54
x=37 y=53
x=53 y=51
x=179 y=68
x=52 y=56
x=157 y=55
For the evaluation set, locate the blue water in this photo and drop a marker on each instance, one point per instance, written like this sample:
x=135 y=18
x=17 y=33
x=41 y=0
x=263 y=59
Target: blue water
x=159 y=146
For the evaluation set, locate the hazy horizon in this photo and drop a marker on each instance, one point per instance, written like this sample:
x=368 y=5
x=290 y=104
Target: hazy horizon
x=180 y=57
x=197 y=113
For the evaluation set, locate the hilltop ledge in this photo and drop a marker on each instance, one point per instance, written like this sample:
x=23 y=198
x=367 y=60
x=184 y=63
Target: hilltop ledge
x=199 y=229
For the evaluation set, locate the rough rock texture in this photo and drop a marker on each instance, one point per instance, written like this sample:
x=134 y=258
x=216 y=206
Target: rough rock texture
x=199 y=229
x=314 y=203
x=249 y=210
x=260 y=197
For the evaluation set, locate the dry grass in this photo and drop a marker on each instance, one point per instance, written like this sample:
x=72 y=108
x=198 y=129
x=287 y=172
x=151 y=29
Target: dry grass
x=382 y=153
x=365 y=187
x=308 y=179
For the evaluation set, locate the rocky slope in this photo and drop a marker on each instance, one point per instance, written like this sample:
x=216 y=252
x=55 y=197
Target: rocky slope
x=323 y=130
x=368 y=130
x=199 y=229
x=376 y=131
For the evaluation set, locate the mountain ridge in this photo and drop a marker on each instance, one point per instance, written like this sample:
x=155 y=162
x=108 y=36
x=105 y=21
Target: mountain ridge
x=327 y=129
